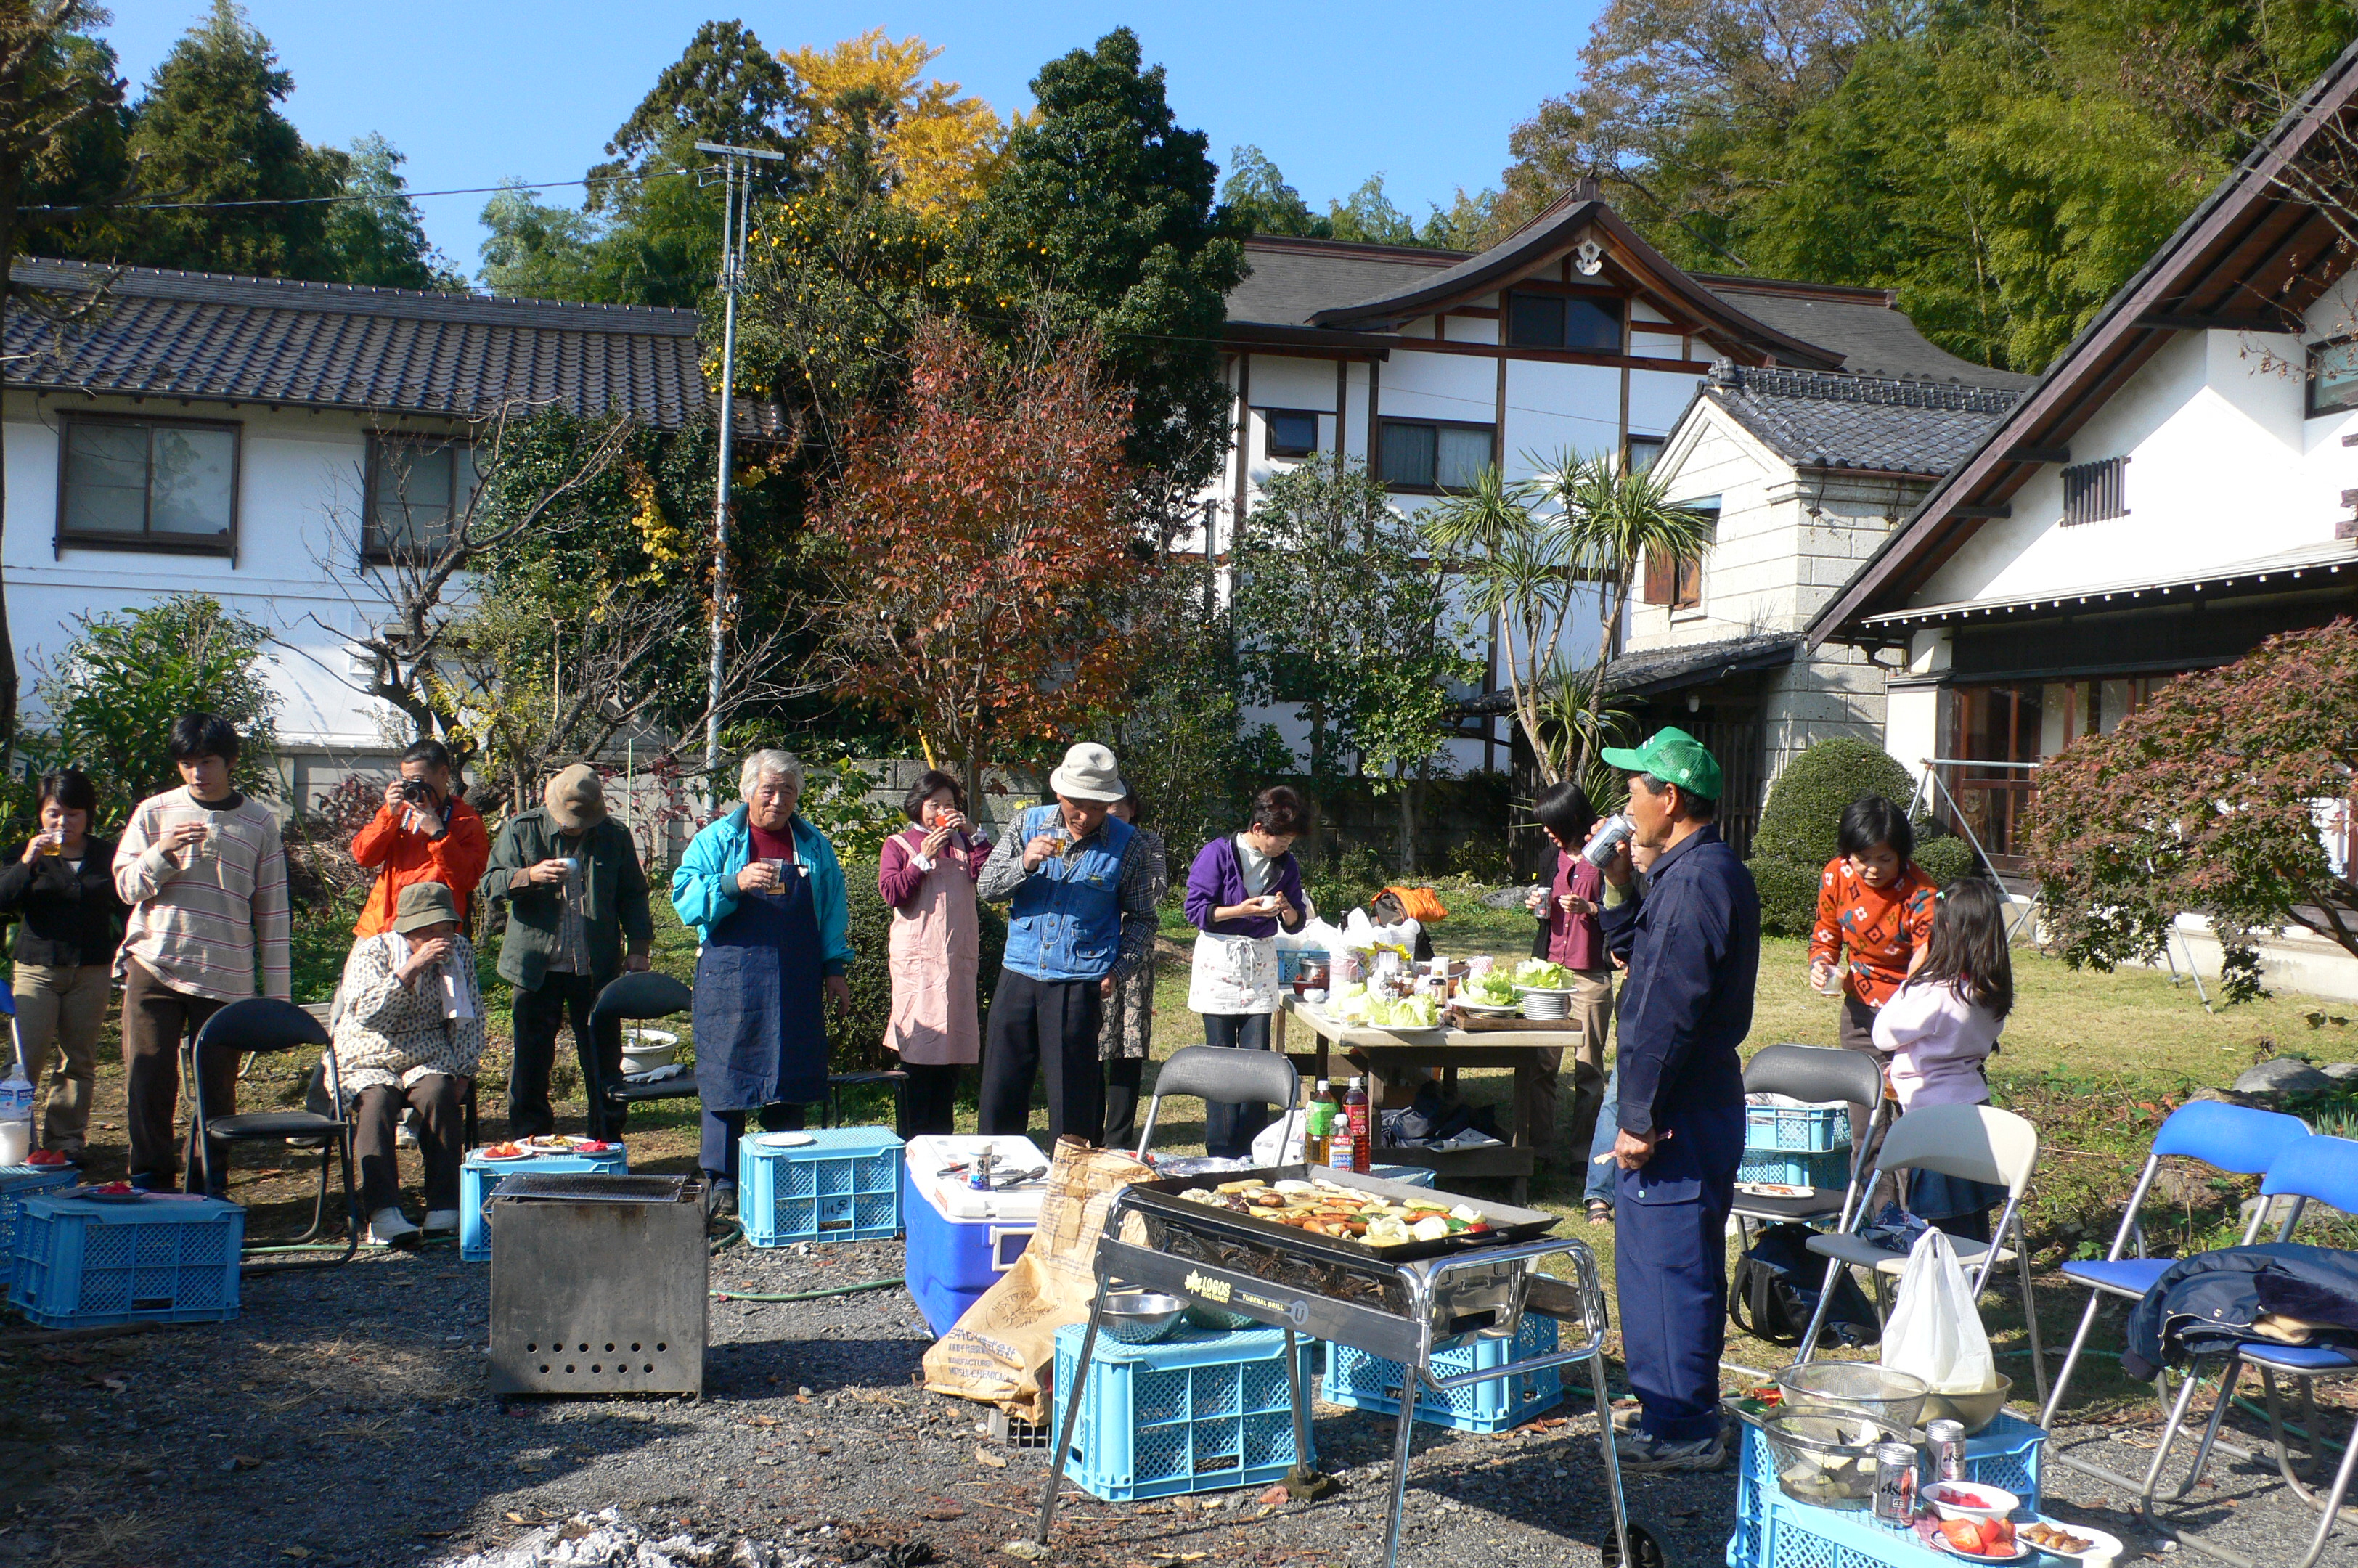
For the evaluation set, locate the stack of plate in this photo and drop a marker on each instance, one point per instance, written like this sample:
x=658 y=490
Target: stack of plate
x=1546 y=1003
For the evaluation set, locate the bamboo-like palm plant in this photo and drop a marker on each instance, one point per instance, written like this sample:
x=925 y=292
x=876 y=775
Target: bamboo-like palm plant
x=1519 y=566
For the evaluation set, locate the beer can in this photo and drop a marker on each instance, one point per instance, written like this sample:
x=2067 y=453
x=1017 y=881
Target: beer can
x=1944 y=1445
x=1895 y=1483
x=1618 y=829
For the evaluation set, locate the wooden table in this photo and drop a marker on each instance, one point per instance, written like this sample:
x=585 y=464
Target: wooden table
x=1374 y=1053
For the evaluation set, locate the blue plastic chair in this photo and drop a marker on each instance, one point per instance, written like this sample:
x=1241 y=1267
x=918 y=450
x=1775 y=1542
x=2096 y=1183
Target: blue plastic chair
x=2225 y=1138
x=2316 y=1168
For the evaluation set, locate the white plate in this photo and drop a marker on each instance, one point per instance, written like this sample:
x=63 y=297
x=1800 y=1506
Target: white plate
x=785 y=1140
x=2022 y=1549
x=2103 y=1548
x=1506 y=1007
x=502 y=1159
x=1772 y=1190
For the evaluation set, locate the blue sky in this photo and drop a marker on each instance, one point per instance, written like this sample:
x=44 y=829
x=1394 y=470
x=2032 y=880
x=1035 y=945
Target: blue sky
x=476 y=92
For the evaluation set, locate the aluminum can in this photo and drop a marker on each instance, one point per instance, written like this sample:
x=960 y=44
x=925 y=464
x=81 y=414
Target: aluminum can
x=1895 y=1483
x=1944 y=1445
x=1616 y=831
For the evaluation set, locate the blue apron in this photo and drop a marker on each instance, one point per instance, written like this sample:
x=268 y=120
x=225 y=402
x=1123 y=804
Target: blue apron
x=760 y=1035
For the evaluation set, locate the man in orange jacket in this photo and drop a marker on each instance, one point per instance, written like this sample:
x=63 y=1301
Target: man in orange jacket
x=424 y=833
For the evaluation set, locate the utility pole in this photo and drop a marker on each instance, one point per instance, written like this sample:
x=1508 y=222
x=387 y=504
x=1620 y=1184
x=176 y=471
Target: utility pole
x=737 y=177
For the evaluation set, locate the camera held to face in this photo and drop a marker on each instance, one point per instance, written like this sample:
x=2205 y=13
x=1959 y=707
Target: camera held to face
x=417 y=792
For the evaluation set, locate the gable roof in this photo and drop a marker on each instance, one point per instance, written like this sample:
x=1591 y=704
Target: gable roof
x=327 y=345
x=2253 y=256
x=1874 y=336
x=1816 y=420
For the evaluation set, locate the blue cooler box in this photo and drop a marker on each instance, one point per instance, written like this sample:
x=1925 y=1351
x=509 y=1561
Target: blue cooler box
x=960 y=1240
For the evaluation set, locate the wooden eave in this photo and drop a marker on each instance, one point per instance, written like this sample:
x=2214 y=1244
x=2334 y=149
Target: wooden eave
x=2252 y=258
x=1313 y=343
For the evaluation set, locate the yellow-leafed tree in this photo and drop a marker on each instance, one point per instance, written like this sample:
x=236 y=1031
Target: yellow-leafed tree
x=865 y=100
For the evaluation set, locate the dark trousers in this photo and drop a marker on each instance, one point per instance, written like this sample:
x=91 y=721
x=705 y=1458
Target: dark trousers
x=539 y=1015
x=929 y=1104
x=1229 y=1129
x=1042 y=1028
x=1122 y=1077
x=156 y=1018
x=442 y=1115
x=722 y=1129
x=1669 y=1262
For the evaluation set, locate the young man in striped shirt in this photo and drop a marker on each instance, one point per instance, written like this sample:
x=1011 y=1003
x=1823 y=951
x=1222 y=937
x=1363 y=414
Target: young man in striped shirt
x=205 y=876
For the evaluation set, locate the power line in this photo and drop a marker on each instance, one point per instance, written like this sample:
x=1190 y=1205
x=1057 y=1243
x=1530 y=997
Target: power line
x=351 y=196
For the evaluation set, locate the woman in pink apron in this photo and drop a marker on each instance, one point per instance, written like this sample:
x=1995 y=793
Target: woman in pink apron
x=926 y=876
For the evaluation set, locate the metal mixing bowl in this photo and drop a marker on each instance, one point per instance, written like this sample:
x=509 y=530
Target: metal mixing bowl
x=1895 y=1399
x=1142 y=1317
x=1972 y=1411
x=1826 y=1457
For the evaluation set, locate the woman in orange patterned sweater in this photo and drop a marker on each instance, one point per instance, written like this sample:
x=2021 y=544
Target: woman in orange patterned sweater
x=1875 y=916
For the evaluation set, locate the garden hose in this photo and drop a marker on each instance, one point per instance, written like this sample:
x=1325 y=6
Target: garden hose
x=808 y=1295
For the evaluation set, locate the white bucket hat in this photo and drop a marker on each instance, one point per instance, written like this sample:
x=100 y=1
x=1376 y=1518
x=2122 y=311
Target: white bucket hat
x=1088 y=773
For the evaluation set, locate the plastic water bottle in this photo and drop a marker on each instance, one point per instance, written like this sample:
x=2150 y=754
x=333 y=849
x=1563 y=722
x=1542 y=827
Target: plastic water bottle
x=16 y=1116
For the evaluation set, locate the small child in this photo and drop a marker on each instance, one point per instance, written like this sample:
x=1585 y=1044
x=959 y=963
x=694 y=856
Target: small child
x=1940 y=1026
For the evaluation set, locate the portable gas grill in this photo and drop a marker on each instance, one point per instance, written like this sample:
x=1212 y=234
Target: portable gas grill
x=1402 y=1304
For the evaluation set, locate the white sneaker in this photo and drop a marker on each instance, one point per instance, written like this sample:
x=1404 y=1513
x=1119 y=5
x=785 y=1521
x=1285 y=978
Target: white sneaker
x=441 y=1221
x=390 y=1228
x=405 y=1135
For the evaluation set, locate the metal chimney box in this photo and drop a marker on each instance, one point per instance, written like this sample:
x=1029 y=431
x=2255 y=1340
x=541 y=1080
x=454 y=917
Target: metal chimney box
x=600 y=1284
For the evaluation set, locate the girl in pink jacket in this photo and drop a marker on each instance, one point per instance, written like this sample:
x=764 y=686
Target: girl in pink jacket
x=1940 y=1026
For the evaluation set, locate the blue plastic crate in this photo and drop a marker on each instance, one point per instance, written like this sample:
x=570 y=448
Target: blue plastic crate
x=1361 y=1381
x=2005 y=1453
x=17 y=1184
x=478 y=1177
x=1200 y=1411
x=1811 y=1129
x=1796 y=1168
x=843 y=1185
x=1795 y=1535
x=165 y=1258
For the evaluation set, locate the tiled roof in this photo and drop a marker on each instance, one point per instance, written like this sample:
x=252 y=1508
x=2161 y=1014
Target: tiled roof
x=1821 y=419
x=208 y=336
x=1865 y=326
x=1291 y=280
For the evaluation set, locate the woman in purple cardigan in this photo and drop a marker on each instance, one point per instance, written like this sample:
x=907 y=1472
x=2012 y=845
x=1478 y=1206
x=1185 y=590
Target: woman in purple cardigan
x=1242 y=887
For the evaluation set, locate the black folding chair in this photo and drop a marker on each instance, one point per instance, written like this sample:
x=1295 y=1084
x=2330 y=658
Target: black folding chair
x=261 y=1025
x=1220 y=1073
x=635 y=998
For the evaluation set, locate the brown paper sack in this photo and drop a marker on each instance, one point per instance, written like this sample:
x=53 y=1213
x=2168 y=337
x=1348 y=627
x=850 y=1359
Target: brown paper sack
x=1001 y=1351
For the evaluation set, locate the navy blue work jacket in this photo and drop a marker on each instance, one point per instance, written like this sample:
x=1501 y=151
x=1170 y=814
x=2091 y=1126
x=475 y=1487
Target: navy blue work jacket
x=1693 y=936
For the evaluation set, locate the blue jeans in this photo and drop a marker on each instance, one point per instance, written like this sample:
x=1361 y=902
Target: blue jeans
x=1601 y=1178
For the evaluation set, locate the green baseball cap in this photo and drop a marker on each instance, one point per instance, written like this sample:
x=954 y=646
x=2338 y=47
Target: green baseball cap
x=1674 y=756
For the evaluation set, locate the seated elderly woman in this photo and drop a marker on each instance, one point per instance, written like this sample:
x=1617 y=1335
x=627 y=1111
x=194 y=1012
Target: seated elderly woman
x=408 y=1032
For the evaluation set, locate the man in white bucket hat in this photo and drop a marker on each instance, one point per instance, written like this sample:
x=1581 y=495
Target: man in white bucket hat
x=1080 y=915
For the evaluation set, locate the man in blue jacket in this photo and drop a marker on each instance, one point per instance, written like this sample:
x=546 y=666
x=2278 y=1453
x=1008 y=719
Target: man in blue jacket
x=1695 y=935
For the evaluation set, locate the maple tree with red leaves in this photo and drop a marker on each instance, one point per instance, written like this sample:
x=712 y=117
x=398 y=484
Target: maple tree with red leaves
x=982 y=537
x=2227 y=795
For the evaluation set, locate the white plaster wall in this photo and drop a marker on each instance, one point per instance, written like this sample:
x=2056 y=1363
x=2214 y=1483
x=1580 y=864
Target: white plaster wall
x=1556 y=411
x=1440 y=386
x=1281 y=383
x=1471 y=329
x=1911 y=727
x=1656 y=398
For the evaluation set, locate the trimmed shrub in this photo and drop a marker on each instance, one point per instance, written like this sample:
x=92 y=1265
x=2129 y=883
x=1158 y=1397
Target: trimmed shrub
x=1946 y=858
x=1802 y=825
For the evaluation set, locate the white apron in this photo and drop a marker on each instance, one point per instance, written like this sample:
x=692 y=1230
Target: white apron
x=1233 y=975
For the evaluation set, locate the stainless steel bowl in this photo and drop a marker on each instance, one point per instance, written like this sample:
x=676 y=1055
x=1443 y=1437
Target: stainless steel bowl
x=1895 y=1399
x=1142 y=1317
x=1972 y=1411
x=1826 y=1457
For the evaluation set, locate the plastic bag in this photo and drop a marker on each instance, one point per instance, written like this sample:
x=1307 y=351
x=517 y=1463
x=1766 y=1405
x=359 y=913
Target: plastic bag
x=1281 y=1142
x=1935 y=1329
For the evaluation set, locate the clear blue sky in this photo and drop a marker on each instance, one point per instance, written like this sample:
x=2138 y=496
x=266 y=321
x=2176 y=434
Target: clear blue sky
x=475 y=93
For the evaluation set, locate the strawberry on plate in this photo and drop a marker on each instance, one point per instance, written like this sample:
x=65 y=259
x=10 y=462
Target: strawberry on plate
x=49 y=1158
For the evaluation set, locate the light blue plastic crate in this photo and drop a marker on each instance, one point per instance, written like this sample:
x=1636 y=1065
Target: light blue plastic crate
x=478 y=1177
x=1200 y=1411
x=1813 y=1130
x=2005 y=1453
x=1362 y=1381
x=165 y=1258
x=843 y=1185
x=1796 y=1168
x=18 y=1183
x=1796 y=1535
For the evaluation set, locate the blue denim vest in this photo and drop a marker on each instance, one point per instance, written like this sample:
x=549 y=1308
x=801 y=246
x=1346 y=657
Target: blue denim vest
x=1065 y=921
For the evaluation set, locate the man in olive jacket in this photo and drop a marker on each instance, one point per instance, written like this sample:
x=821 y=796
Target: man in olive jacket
x=577 y=902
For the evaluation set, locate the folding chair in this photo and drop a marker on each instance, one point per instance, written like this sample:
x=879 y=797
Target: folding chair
x=1221 y=1072
x=1970 y=1143
x=2326 y=1170
x=260 y=1025
x=2225 y=1138
x=637 y=997
x=1816 y=1072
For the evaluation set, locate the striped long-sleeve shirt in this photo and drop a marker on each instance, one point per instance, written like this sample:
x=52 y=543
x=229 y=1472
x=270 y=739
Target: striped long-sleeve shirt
x=212 y=919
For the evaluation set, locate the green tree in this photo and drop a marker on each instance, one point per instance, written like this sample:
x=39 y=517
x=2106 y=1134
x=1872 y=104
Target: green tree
x=209 y=132
x=1105 y=209
x=119 y=685
x=1257 y=196
x=536 y=251
x=381 y=241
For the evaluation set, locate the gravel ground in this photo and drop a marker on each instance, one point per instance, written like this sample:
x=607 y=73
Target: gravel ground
x=342 y=1419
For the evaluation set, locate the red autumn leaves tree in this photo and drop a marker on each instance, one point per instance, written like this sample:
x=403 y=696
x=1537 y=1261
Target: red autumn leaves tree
x=982 y=533
x=2213 y=798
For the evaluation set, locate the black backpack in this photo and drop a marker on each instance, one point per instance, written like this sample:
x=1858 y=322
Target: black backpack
x=1775 y=1283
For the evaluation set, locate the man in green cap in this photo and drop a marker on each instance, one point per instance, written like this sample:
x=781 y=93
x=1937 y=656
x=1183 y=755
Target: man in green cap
x=1693 y=939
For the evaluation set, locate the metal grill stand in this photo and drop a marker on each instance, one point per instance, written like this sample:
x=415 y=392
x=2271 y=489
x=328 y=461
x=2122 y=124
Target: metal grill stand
x=1506 y=1277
